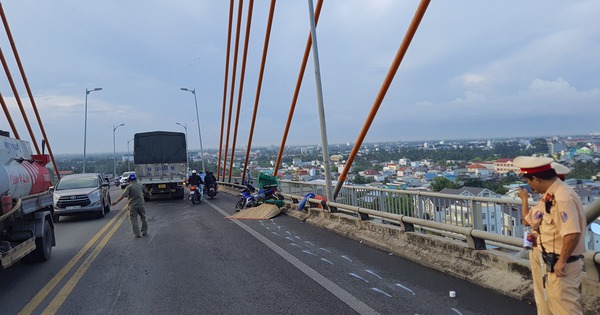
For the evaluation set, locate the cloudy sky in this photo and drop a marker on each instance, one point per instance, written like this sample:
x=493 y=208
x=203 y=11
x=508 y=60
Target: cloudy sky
x=475 y=69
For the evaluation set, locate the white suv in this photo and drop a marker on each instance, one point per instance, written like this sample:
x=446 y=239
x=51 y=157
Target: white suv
x=125 y=179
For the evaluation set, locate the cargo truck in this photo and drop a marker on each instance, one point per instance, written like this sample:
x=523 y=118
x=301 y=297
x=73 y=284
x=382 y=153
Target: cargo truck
x=160 y=162
x=26 y=226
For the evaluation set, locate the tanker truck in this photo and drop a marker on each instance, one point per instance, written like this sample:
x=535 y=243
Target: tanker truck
x=26 y=226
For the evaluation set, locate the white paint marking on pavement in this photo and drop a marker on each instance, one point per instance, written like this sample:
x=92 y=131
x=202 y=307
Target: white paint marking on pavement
x=308 y=252
x=289 y=238
x=348 y=259
x=381 y=291
x=457 y=311
x=345 y=296
x=325 y=250
x=358 y=277
x=309 y=243
x=373 y=273
x=294 y=244
x=327 y=261
x=288 y=232
x=298 y=237
x=275 y=233
x=405 y=288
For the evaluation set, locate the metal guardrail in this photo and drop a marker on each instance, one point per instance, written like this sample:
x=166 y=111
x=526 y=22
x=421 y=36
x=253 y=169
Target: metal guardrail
x=495 y=215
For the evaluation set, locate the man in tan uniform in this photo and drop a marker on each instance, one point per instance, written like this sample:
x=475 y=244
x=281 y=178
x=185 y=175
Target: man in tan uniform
x=134 y=192
x=559 y=221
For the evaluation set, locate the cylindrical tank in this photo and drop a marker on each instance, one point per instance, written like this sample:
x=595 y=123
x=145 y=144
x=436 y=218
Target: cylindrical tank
x=21 y=174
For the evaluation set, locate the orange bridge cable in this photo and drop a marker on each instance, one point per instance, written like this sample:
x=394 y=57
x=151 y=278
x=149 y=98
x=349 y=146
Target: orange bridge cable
x=225 y=90
x=9 y=117
x=16 y=94
x=259 y=84
x=410 y=33
x=297 y=90
x=27 y=87
x=233 y=75
x=242 y=78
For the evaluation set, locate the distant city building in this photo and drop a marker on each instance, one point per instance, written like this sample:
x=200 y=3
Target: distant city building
x=556 y=147
x=479 y=170
x=503 y=166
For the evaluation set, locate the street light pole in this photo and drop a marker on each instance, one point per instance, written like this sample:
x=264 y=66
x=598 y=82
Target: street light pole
x=187 y=155
x=85 y=123
x=198 y=121
x=115 y=150
x=128 y=141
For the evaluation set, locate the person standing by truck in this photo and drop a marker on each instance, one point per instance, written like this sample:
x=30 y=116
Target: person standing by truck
x=134 y=192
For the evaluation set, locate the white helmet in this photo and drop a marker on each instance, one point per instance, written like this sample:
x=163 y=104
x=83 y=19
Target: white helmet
x=194 y=172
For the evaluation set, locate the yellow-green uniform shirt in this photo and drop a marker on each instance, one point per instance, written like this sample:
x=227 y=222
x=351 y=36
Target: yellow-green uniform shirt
x=135 y=194
x=566 y=217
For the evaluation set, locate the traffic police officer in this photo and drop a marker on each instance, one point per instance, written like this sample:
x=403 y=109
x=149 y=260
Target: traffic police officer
x=559 y=221
x=561 y=170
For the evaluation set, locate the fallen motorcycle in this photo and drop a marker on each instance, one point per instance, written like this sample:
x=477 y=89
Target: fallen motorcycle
x=268 y=193
x=247 y=200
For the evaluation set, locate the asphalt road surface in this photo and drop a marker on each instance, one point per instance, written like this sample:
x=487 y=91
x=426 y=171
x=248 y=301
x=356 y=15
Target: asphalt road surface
x=196 y=261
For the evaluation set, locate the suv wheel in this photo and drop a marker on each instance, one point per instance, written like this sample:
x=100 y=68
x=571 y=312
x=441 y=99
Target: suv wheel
x=107 y=205
x=101 y=212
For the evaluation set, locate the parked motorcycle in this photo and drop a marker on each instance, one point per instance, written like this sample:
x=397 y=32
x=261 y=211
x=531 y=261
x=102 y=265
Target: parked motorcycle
x=247 y=200
x=196 y=194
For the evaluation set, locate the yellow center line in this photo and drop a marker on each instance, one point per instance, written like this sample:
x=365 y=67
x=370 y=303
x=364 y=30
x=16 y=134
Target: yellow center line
x=60 y=298
x=43 y=293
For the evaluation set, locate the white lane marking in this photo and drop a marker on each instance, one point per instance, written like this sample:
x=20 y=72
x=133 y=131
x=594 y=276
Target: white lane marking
x=457 y=311
x=373 y=273
x=308 y=252
x=325 y=250
x=309 y=243
x=358 y=277
x=345 y=296
x=405 y=288
x=288 y=232
x=348 y=259
x=298 y=237
x=289 y=238
x=294 y=244
x=275 y=233
x=327 y=261
x=381 y=291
